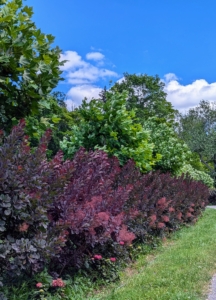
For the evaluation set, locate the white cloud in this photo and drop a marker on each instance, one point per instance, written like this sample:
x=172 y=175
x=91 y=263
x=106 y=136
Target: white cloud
x=83 y=76
x=94 y=56
x=77 y=93
x=89 y=74
x=170 y=76
x=187 y=96
x=73 y=61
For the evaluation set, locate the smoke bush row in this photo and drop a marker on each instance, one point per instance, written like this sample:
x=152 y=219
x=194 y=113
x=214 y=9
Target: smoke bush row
x=56 y=213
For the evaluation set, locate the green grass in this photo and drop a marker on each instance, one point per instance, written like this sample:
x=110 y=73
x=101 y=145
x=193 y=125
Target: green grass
x=181 y=269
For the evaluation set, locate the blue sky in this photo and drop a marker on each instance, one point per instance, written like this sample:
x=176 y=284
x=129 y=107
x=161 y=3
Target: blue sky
x=102 y=39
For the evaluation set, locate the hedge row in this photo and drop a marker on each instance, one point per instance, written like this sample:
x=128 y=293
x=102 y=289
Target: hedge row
x=59 y=213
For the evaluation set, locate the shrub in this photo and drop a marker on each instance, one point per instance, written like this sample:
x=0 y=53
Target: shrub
x=28 y=186
x=105 y=204
x=91 y=207
x=161 y=202
x=197 y=175
x=59 y=214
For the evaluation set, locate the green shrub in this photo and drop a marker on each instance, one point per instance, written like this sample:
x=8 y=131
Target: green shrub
x=197 y=175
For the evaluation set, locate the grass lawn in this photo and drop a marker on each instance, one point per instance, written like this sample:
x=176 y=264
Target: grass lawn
x=181 y=269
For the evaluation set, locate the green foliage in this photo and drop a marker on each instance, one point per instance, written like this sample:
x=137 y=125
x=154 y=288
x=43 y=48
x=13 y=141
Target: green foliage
x=107 y=125
x=103 y=270
x=146 y=94
x=76 y=288
x=29 y=68
x=174 y=152
x=196 y=163
x=197 y=175
x=53 y=115
x=198 y=129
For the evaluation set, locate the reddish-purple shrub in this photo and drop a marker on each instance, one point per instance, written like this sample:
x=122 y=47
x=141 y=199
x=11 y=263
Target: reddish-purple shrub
x=92 y=207
x=161 y=199
x=102 y=200
x=28 y=186
x=125 y=236
x=65 y=211
x=160 y=225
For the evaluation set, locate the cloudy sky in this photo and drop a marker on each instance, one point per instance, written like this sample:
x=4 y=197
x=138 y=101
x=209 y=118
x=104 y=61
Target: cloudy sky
x=103 y=39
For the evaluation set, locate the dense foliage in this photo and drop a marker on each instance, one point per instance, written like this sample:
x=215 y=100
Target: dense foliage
x=92 y=207
x=197 y=129
x=212 y=196
x=174 y=151
x=53 y=115
x=109 y=126
x=161 y=202
x=146 y=94
x=28 y=186
x=66 y=215
x=29 y=67
x=197 y=175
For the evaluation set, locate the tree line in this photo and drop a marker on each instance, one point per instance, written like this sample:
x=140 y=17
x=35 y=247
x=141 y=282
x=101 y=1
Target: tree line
x=131 y=120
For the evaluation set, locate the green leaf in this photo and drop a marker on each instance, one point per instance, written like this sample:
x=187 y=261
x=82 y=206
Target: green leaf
x=23 y=61
x=45 y=104
x=28 y=10
x=56 y=119
x=26 y=76
x=47 y=59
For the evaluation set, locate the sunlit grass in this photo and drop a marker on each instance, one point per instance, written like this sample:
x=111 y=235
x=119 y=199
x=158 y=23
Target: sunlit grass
x=181 y=269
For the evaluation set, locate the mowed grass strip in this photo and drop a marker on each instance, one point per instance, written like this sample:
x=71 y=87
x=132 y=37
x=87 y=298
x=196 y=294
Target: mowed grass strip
x=181 y=269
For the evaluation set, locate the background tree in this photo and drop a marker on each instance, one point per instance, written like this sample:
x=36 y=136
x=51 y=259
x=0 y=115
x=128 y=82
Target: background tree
x=198 y=129
x=174 y=151
x=146 y=94
x=29 y=67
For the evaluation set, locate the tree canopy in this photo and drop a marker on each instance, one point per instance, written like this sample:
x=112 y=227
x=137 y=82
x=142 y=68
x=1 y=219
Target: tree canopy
x=109 y=126
x=198 y=129
x=173 y=150
x=146 y=94
x=29 y=67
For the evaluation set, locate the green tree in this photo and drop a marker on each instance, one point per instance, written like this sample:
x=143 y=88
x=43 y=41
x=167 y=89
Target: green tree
x=175 y=153
x=109 y=126
x=146 y=94
x=53 y=115
x=198 y=129
x=29 y=67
